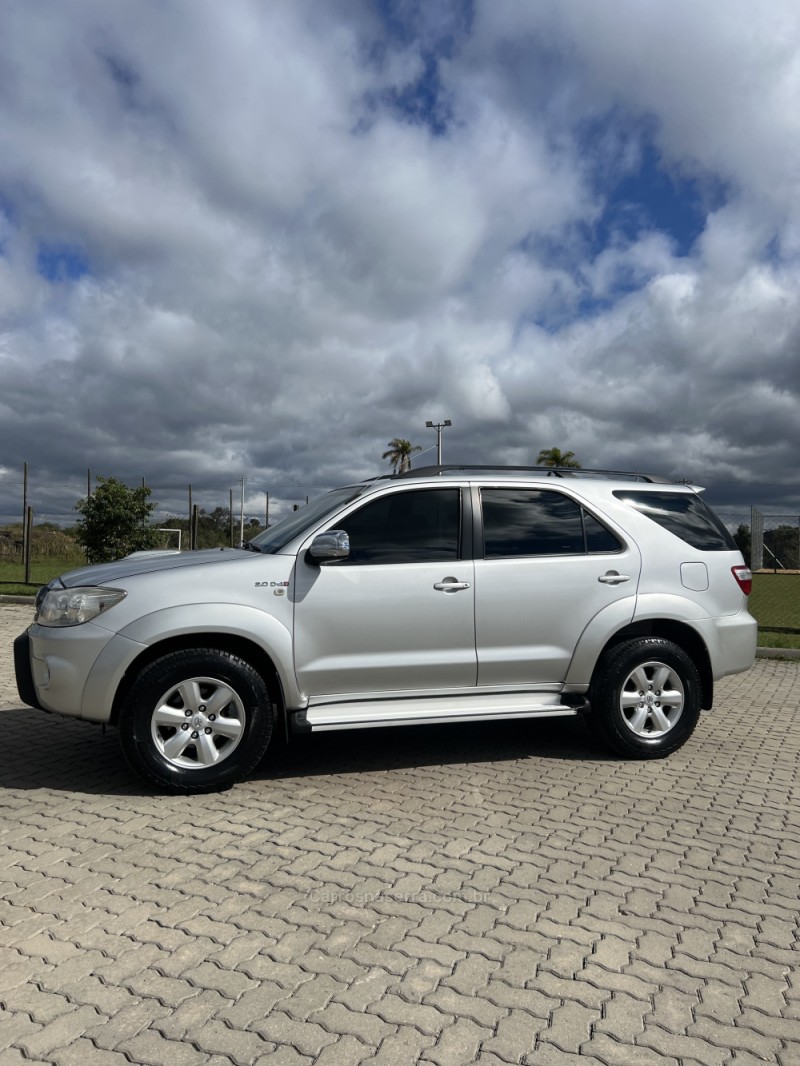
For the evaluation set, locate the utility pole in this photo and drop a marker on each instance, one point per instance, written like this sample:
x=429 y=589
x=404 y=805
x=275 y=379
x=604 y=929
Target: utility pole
x=438 y=426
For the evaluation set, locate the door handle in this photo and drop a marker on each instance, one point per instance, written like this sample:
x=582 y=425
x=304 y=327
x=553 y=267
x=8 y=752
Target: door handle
x=611 y=577
x=451 y=584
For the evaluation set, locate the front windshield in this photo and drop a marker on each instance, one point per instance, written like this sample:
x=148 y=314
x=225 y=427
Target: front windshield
x=293 y=524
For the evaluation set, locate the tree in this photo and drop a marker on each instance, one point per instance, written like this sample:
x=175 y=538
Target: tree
x=782 y=548
x=399 y=454
x=214 y=529
x=744 y=542
x=555 y=457
x=113 y=521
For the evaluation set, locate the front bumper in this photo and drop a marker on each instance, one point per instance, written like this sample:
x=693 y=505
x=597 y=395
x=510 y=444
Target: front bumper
x=53 y=665
x=23 y=671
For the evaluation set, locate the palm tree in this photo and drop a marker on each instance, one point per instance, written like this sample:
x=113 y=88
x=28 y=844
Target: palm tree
x=555 y=457
x=399 y=454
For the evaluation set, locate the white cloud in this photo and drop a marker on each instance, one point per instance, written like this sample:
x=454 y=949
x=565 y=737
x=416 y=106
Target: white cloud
x=286 y=268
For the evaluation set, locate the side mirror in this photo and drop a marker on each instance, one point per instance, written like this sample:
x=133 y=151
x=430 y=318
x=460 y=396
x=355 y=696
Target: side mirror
x=335 y=544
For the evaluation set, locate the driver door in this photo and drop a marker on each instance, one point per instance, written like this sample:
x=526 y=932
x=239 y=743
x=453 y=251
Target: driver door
x=396 y=617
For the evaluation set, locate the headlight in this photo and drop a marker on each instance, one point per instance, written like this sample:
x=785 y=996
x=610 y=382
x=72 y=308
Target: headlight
x=73 y=607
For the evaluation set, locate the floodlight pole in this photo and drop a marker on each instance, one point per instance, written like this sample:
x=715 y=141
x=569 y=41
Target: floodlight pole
x=438 y=426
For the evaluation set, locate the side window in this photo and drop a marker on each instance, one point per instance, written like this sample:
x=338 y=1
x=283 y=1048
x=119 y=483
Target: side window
x=537 y=522
x=598 y=538
x=421 y=525
x=530 y=522
x=685 y=515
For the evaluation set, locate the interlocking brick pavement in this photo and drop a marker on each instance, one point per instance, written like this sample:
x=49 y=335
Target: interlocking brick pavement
x=493 y=894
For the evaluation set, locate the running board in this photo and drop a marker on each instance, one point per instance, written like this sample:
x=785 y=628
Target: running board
x=364 y=714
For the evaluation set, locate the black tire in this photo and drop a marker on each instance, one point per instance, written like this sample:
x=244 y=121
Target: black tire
x=645 y=698
x=197 y=720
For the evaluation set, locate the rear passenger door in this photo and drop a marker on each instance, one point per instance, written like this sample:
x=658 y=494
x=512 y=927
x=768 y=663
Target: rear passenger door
x=544 y=567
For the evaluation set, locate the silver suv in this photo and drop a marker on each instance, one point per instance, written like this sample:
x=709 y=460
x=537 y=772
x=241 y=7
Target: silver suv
x=450 y=594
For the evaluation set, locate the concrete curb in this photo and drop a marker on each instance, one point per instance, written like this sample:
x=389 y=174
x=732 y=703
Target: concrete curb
x=18 y=599
x=778 y=653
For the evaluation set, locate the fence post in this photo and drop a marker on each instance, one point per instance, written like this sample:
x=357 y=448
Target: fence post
x=88 y=494
x=193 y=540
x=24 y=510
x=241 y=517
x=756 y=539
x=27 y=548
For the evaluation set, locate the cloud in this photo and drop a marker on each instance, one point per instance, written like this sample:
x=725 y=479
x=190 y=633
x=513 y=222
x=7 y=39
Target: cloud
x=262 y=240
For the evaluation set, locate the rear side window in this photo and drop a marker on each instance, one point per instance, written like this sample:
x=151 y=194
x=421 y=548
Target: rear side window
x=598 y=538
x=683 y=514
x=536 y=522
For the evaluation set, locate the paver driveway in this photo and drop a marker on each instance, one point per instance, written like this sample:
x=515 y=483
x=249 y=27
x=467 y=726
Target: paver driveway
x=481 y=894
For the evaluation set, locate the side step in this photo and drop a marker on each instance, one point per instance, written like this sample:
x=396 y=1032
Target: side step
x=368 y=714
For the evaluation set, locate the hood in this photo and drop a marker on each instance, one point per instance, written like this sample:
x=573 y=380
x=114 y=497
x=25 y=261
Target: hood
x=148 y=563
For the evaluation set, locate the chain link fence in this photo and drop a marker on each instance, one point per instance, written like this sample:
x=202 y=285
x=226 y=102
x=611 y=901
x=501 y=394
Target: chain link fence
x=38 y=533
x=775 y=561
x=775 y=541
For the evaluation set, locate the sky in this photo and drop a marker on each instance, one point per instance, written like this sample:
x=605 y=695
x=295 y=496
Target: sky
x=261 y=239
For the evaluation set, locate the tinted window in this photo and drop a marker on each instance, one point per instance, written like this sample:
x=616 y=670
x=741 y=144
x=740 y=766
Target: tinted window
x=530 y=522
x=598 y=538
x=683 y=514
x=536 y=522
x=406 y=527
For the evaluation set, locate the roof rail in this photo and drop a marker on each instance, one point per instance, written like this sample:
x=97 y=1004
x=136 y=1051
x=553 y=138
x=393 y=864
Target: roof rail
x=548 y=471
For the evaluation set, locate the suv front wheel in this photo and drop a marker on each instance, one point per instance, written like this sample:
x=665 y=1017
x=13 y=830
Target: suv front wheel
x=196 y=720
x=645 y=698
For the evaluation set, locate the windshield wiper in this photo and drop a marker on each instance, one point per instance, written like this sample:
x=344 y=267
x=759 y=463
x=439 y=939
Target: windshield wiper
x=248 y=546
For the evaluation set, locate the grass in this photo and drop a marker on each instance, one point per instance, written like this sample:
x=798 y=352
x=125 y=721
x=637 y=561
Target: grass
x=775 y=600
x=778 y=640
x=12 y=573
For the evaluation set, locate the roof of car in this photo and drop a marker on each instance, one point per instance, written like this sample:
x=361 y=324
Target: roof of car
x=474 y=471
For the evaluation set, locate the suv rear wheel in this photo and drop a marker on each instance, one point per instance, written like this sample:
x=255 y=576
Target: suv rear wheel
x=645 y=698
x=196 y=720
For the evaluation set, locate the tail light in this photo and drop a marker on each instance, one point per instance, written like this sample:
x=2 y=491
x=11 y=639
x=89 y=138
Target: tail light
x=744 y=578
